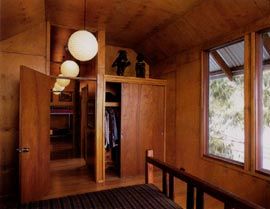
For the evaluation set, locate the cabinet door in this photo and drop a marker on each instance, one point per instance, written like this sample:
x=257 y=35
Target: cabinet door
x=142 y=126
x=151 y=122
x=129 y=130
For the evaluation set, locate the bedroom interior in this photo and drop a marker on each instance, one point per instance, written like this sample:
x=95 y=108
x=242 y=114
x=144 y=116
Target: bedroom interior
x=135 y=104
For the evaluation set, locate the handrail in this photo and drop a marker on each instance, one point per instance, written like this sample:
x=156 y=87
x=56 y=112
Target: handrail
x=230 y=200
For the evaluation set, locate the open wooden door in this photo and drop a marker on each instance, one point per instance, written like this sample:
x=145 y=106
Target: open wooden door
x=34 y=143
x=88 y=110
x=84 y=114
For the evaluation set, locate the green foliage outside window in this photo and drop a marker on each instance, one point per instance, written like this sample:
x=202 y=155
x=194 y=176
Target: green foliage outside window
x=226 y=115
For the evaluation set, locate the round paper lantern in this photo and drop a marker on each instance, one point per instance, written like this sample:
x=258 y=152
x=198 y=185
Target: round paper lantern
x=56 y=92
x=83 y=45
x=69 y=68
x=57 y=87
x=62 y=81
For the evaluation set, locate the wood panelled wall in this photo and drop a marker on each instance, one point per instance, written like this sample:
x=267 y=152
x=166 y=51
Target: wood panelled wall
x=112 y=53
x=27 y=48
x=188 y=99
x=167 y=71
x=186 y=67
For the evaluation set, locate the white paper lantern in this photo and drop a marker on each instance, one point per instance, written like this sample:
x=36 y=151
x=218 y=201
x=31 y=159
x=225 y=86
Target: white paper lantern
x=83 y=45
x=57 y=87
x=69 y=68
x=56 y=92
x=62 y=81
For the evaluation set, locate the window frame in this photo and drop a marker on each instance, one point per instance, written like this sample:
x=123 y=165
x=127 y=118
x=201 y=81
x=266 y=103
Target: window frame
x=257 y=59
x=252 y=110
x=205 y=105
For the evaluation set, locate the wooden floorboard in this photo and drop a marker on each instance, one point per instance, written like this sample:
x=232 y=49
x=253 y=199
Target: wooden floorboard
x=69 y=177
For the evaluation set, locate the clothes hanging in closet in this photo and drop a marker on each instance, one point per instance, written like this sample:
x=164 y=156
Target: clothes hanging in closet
x=111 y=128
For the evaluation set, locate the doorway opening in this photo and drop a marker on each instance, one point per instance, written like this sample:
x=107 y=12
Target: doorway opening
x=72 y=135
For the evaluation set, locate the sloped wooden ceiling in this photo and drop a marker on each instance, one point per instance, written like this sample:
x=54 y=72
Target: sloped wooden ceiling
x=17 y=16
x=157 y=28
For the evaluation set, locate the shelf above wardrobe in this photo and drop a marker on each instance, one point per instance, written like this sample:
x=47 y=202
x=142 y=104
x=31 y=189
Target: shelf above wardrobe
x=112 y=104
x=125 y=79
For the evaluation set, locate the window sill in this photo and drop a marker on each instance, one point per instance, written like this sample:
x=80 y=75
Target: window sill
x=237 y=166
x=263 y=172
x=224 y=161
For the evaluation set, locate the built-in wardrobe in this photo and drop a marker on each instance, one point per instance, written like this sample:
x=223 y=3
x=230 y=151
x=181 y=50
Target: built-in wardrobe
x=140 y=104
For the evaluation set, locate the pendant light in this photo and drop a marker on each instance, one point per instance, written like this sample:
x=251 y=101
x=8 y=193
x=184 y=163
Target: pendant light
x=82 y=44
x=56 y=92
x=69 y=68
x=57 y=87
x=62 y=81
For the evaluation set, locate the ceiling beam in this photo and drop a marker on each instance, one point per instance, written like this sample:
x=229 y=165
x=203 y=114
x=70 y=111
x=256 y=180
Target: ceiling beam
x=266 y=42
x=235 y=70
x=224 y=67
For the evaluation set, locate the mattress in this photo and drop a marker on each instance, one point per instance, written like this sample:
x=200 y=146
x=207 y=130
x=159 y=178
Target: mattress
x=143 y=196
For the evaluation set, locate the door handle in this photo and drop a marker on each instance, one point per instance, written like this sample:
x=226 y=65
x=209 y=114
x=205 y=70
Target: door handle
x=23 y=149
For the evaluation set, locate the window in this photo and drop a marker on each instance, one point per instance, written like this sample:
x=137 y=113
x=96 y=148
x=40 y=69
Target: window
x=236 y=103
x=225 y=118
x=264 y=105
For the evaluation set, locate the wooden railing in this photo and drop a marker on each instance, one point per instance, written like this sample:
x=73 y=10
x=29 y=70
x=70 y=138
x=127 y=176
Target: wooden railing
x=230 y=200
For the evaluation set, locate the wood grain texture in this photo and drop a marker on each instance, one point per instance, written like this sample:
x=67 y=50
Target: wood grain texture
x=158 y=29
x=16 y=51
x=247 y=100
x=58 y=44
x=130 y=141
x=21 y=15
x=167 y=71
x=100 y=100
x=146 y=81
x=201 y=187
x=34 y=134
x=188 y=132
x=112 y=53
x=222 y=64
x=149 y=169
x=256 y=113
x=69 y=178
x=151 y=122
x=88 y=134
x=142 y=124
x=84 y=115
x=208 y=20
x=24 y=43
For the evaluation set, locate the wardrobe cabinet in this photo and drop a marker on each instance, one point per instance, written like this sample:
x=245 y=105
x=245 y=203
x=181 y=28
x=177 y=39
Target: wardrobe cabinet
x=142 y=122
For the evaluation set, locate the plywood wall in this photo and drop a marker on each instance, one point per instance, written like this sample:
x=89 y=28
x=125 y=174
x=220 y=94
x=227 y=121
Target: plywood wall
x=112 y=53
x=167 y=71
x=186 y=68
x=27 y=48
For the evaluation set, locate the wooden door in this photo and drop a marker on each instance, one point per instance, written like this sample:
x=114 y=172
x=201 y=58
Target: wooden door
x=129 y=140
x=90 y=128
x=142 y=126
x=151 y=123
x=34 y=144
x=84 y=100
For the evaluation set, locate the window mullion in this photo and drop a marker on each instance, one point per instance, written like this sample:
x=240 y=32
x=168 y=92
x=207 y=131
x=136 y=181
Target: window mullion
x=247 y=101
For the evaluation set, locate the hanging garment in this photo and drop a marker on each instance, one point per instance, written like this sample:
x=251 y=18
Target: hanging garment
x=107 y=129
x=111 y=128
